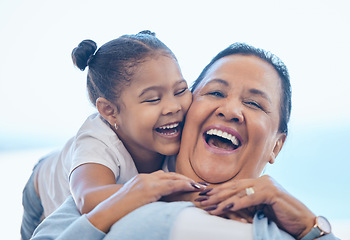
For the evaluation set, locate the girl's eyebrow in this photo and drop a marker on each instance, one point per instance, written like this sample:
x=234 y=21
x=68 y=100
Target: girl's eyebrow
x=180 y=81
x=156 y=88
x=151 y=88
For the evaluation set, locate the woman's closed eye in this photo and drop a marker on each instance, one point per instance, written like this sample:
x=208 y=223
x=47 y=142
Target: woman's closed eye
x=253 y=104
x=216 y=94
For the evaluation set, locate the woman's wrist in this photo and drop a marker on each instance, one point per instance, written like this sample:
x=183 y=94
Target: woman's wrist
x=320 y=227
x=309 y=224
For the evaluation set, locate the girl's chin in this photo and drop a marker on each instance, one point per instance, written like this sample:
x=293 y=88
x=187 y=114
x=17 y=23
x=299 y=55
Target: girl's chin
x=169 y=150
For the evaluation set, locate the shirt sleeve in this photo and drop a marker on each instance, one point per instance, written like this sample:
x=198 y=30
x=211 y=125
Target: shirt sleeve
x=67 y=223
x=264 y=229
x=89 y=149
x=329 y=237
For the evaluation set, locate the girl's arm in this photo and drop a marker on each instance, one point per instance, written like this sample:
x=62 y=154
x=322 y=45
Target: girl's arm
x=90 y=184
x=67 y=223
x=139 y=191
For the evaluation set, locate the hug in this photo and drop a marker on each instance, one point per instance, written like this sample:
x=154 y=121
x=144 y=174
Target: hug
x=158 y=161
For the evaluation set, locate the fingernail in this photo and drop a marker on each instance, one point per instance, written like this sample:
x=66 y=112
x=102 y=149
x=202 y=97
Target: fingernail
x=204 y=183
x=204 y=192
x=200 y=199
x=211 y=208
x=228 y=207
x=195 y=185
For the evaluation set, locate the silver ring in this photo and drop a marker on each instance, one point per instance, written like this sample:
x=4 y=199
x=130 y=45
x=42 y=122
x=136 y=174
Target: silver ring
x=249 y=191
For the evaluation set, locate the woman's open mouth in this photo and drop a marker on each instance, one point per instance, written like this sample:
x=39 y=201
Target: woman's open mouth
x=220 y=139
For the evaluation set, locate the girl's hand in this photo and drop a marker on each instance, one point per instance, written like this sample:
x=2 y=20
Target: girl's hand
x=93 y=183
x=151 y=187
x=139 y=191
x=263 y=193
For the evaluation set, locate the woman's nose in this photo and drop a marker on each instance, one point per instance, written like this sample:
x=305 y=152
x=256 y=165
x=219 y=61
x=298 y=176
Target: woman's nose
x=231 y=112
x=171 y=105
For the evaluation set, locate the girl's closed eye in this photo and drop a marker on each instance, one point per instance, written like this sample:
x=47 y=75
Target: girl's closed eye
x=152 y=100
x=181 y=91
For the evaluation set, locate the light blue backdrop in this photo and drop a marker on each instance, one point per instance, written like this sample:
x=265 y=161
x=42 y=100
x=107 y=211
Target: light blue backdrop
x=43 y=98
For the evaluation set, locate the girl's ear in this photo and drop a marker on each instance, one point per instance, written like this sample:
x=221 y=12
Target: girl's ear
x=277 y=148
x=107 y=110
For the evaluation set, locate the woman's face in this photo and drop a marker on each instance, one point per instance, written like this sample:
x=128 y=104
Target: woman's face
x=231 y=128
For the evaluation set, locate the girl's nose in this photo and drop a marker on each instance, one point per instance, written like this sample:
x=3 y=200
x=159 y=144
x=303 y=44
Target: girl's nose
x=171 y=106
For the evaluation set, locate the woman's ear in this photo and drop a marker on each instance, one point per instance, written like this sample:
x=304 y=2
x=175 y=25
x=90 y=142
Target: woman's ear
x=107 y=110
x=277 y=148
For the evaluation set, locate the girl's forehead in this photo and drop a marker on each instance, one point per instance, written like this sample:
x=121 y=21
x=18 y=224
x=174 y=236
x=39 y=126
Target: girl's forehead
x=160 y=71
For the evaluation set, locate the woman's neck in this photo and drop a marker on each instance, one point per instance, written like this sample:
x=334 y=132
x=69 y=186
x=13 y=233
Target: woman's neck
x=184 y=167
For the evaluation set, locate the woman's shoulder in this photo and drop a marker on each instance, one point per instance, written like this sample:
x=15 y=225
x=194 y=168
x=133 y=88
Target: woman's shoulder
x=152 y=221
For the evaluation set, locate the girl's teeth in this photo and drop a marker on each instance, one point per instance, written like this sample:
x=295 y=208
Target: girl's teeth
x=169 y=126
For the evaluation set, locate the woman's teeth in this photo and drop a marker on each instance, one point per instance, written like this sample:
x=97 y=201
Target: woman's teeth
x=225 y=135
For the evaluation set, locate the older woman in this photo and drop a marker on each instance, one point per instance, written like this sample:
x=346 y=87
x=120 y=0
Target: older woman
x=236 y=124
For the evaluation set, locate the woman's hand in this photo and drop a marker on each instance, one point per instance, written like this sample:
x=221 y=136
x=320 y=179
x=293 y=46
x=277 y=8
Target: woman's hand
x=139 y=191
x=263 y=193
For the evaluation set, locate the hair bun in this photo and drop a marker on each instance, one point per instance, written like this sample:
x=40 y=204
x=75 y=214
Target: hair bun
x=82 y=53
x=147 y=32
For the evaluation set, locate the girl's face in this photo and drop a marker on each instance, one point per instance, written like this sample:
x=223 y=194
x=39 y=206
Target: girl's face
x=231 y=129
x=153 y=107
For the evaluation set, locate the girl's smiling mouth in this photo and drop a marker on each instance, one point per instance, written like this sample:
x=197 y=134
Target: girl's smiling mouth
x=170 y=130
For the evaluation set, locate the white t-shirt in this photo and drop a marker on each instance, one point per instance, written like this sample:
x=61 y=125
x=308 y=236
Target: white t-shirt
x=95 y=142
x=195 y=223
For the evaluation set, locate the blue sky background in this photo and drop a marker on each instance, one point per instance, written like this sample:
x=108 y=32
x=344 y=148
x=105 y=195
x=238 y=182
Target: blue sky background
x=43 y=98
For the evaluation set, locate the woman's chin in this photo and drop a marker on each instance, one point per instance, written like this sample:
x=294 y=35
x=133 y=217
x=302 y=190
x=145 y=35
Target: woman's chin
x=214 y=177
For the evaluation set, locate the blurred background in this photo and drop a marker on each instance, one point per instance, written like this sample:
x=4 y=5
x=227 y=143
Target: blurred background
x=43 y=98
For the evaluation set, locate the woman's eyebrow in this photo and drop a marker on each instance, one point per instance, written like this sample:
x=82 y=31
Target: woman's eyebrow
x=261 y=93
x=219 y=81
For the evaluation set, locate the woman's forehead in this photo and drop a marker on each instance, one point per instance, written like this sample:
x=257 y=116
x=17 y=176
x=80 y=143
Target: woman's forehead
x=241 y=69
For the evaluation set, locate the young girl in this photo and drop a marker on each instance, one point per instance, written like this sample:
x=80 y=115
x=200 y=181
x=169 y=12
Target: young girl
x=141 y=97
